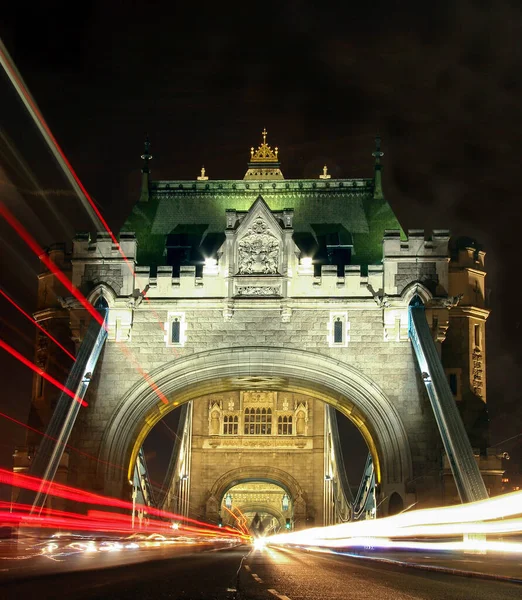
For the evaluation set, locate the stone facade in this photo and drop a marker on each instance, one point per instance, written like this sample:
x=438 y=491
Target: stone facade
x=261 y=312
x=238 y=436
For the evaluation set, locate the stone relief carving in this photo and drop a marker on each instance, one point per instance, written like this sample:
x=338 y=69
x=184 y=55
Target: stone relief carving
x=252 y=290
x=477 y=372
x=215 y=408
x=42 y=347
x=258 y=250
x=452 y=301
x=258 y=398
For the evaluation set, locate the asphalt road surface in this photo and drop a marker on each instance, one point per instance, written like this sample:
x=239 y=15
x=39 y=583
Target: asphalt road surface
x=241 y=573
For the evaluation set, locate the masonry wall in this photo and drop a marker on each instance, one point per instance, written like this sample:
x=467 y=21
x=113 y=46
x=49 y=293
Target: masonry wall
x=300 y=457
x=389 y=364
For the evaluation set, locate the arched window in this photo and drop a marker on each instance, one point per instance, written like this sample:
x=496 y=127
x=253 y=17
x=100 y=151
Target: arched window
x=258 y=421
x=284 y=425
x=230 y=425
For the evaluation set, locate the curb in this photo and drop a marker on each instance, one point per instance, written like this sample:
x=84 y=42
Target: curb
x=448 y=570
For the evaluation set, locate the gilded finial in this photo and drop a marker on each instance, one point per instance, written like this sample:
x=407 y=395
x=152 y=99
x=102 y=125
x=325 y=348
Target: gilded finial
x=264 y=153
x=325 y=173
x=202 y=177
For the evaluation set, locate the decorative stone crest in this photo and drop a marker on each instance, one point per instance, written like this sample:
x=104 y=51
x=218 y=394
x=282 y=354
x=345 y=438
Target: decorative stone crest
x=258 y=250
x=253 y=290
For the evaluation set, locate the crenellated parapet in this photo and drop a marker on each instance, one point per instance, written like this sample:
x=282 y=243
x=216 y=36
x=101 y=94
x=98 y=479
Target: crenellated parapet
x=418 y=258
x=100 y=260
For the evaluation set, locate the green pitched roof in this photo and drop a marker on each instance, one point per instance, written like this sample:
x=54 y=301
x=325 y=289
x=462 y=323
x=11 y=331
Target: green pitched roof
x=196 y=210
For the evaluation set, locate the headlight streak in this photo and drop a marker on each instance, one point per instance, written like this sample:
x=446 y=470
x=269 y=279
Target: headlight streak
x=501 y=515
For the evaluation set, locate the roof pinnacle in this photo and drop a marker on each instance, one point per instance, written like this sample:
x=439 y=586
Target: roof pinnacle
x=264 y=162
x=377 y=154
x=377 y=178
x=202 y=177
x=146 y=156
x=325 y=174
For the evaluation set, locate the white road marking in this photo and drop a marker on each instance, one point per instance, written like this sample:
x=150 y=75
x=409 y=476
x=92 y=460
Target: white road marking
x=280 y=596
x=247 y=568
x=257 y=578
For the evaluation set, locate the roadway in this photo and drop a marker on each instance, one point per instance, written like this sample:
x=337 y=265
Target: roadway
x=235 y=573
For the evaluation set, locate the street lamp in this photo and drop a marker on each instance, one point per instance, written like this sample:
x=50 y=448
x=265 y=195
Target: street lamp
x=228 y=500
x=285 y=502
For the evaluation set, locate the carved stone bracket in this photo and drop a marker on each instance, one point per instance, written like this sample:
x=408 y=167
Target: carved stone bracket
x=286 y=314
x=228 y=311
x=449 y=302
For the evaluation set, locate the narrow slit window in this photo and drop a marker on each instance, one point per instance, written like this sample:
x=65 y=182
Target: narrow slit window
x=476 y=333
x=176 y=331
x=39 y=386
x=453 y=383
x=338 y=331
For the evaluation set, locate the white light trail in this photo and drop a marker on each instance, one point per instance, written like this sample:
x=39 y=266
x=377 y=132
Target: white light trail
x=501 y=515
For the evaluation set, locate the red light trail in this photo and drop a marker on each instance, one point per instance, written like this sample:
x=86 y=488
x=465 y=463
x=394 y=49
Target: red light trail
x=39 y=251
x=34 y=322
x=40 y=371
x=70 y=493
x=42 y=255
x=72 y=448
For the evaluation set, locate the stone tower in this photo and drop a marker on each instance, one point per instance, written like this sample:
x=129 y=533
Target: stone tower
x=295 y=292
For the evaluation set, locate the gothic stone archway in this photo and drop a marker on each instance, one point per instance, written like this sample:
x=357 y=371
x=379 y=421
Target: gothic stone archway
x=268 y=474
x=351 y=392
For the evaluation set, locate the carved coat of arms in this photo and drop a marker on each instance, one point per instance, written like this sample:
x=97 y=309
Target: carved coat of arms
x=258 y=250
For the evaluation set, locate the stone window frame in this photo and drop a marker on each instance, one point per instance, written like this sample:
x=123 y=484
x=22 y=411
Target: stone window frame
x=289 y=424
x=458 y=374
x=230 y=424
x=257 y=423
x=343 y=318
x=171 y=317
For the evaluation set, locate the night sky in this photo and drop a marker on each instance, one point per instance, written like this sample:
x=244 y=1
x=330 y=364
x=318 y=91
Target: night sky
x=440 y=82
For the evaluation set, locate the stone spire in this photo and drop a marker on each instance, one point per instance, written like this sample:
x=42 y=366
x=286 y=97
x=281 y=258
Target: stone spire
x=145 y=171
x=377 y=178
x=264 y=162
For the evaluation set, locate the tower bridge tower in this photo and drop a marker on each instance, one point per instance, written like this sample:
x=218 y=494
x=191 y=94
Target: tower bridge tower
x=267 y=299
